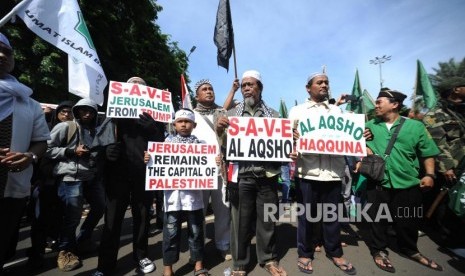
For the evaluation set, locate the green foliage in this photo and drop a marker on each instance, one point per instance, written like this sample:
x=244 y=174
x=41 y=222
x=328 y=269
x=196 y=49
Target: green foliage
x=447 y=71
x=127 y=39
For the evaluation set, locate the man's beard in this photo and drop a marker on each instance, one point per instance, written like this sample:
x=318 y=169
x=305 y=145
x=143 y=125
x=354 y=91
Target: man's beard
x=250 y=102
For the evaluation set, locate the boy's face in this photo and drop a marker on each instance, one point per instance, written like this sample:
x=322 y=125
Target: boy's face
x=86 y=114
x=184 y=127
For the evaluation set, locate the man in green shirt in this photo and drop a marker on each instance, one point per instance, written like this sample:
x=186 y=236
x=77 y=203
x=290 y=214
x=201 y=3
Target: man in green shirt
x=399 y=195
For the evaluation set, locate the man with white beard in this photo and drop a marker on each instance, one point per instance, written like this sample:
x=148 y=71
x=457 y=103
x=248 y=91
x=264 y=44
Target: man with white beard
x=257 y=186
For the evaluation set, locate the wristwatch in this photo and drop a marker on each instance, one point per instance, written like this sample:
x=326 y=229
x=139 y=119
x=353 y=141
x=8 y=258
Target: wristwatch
x=33 y=156
x=433 y=176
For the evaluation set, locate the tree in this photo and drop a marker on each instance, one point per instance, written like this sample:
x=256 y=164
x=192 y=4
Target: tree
x=446 y=71
x=127 y=39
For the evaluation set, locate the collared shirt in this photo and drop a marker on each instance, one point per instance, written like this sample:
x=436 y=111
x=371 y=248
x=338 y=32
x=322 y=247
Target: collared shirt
x=413 y=142
x=319 y=167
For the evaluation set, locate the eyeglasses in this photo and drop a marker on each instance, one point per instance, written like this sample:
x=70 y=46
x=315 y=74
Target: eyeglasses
x=250 y=84
x=65 y=111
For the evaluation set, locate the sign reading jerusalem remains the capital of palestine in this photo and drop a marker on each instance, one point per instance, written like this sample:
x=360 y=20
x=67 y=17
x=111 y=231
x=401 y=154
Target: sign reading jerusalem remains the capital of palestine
x=328 y=133
x=180 y=166
x=129 y=100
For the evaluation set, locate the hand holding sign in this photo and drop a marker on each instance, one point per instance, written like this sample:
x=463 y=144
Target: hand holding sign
x=129 y=100
x=222 y=124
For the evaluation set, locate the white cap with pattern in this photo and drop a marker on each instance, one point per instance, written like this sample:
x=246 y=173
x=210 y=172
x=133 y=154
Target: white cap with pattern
x=185 y=113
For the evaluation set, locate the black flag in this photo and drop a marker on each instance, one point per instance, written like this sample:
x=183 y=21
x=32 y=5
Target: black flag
x=224 y=34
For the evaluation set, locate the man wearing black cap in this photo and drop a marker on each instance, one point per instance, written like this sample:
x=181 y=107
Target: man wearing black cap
x=399 y=194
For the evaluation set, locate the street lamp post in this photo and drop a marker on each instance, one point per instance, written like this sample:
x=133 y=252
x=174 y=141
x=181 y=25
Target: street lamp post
x=191 y=51
x=187 y=57
x=379 y=61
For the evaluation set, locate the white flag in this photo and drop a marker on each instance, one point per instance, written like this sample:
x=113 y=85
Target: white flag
x=60 y=22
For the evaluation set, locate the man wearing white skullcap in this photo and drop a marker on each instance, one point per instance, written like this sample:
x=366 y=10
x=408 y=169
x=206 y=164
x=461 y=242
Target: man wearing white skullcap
x=137 y=80
x=257 y=186
x=320 y=177
x=23 y=140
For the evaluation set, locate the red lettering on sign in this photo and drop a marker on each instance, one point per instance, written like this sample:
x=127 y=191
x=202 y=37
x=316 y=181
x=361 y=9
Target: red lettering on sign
x=286 y=128
x=116 y=88
x=269 y=128
x=251 y=128
x=135 y=90
x=233 y=126
x=165 y=96
x=151 y=92
x=153 y=182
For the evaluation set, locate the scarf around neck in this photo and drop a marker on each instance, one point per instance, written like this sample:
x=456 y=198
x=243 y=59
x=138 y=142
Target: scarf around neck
x=266 y=110
x=205 y=110
x=191 y=139
x=10 y=91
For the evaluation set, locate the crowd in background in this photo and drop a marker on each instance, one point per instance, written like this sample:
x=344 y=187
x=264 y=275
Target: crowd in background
x=57 y=161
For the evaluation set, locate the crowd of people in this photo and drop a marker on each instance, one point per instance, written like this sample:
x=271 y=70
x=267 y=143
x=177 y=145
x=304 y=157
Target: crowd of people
x=71 y=158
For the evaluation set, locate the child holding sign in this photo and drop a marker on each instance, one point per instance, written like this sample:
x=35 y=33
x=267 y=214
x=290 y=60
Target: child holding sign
x=179 y=203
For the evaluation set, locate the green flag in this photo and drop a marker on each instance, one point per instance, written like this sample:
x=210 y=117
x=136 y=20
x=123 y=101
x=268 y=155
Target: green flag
x=424 y=88
x=282 y=109
x=356 y=106
x=368 y=102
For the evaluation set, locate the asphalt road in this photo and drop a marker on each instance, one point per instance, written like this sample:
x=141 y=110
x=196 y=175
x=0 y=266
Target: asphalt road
x=356 y=252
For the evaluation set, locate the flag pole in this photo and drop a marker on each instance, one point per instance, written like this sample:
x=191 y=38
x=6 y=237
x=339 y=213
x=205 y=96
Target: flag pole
x=414 y=96
x=234 y=58
x=233 y=45
x=13 y=12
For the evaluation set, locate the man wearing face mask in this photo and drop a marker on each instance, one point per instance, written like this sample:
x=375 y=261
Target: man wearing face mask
x=257 y=184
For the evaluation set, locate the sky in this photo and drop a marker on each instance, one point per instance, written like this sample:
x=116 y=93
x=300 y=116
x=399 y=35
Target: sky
x=286 y=41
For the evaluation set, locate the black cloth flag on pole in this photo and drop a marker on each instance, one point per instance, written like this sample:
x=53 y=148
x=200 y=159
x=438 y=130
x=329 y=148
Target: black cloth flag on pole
x=224 y=34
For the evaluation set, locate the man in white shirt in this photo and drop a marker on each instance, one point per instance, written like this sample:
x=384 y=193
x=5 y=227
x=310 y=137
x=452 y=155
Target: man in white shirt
x=207 y=112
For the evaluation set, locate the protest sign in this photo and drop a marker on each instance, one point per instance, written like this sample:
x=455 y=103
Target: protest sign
x=336 y=134
x=259 y=139
x=129 y=100
x=179 y=166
